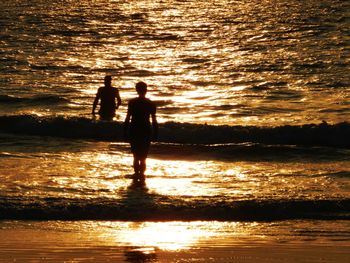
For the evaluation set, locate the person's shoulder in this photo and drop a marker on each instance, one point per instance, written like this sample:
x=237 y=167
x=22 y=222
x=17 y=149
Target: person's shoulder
x=99 y=90
x=150 y=105
x=151 y=102
x=132 y=101
x=115 y=89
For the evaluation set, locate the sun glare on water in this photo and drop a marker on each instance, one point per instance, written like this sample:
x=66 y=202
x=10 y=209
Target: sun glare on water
x=148 y=237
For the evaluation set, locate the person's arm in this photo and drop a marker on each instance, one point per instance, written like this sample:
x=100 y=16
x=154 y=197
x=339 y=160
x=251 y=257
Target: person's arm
x=154 y=126
x=126 y=125
x=95 y=102
x=119 y=100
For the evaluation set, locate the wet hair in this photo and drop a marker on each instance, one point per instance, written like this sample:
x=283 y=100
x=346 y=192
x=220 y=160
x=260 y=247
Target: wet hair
x=141 y=87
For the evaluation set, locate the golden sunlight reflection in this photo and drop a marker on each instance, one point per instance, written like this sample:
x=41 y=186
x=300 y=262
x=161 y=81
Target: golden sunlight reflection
x=171 y=236
x=104 y=170
x=179 y=177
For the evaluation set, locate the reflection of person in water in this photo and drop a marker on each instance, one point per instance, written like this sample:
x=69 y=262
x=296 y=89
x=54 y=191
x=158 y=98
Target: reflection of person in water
x=138 y=256
x=138 y=131
x=107 y=94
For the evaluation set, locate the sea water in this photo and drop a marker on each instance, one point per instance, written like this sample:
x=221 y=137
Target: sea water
x=252 y=100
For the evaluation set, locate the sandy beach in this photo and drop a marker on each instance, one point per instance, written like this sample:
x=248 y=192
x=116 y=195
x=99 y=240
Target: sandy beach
x=106 y=241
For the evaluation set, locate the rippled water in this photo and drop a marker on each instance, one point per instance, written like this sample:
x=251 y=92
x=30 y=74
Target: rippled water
x=234 y=62
x=53 y=178
x=278 y=69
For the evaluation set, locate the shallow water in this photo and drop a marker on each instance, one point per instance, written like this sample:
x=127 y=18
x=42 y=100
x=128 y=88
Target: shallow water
x=88 y=179
x=91 y=241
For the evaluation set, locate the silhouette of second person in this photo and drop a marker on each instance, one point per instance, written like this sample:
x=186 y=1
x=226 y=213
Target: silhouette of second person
x=107 y=95
x=138 y=129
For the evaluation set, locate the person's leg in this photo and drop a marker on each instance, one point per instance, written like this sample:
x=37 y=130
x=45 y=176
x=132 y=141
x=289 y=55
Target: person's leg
x=140 y=149
x=142 y=166
x=143 y=156
x=136 y=165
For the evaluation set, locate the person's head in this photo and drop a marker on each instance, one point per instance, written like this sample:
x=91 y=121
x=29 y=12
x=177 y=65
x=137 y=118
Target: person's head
x=108 y=81
x=141 y=88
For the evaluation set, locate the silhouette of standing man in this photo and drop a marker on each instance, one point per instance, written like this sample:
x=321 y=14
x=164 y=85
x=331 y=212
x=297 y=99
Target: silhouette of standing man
x=107 y=94
x=138 y=131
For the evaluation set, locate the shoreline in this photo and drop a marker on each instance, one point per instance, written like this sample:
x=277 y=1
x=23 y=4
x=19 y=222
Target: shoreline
x=212 y=241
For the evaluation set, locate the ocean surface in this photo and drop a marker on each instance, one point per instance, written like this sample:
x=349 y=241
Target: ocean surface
x=252 y=99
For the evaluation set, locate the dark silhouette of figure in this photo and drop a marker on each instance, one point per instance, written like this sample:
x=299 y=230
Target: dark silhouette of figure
x=139 y=131
x=107 y=95
x=135 y=256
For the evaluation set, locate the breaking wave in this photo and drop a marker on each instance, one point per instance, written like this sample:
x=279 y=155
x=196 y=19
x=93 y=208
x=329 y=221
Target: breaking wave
x=44 y=100
x=332 y=135
x=169 y=210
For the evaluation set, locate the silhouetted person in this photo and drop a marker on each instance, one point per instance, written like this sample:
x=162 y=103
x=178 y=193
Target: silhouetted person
x=107 y=94
x=138 y=130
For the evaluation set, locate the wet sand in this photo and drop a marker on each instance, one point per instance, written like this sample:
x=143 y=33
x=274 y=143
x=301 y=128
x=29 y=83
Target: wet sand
x=87 y=241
